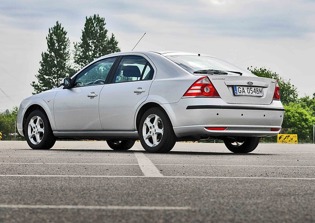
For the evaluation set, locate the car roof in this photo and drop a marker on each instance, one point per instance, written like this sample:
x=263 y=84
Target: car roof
x=163 y=53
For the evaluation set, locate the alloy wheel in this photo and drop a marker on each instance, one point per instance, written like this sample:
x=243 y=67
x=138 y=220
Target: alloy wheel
x=36 y=130
x=153 y=130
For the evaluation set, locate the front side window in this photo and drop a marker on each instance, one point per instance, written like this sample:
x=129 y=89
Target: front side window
x=133 y=68
x=95 y=74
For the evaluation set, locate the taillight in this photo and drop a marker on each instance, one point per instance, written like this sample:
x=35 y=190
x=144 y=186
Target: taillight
x=276 y=95
x=202 y=88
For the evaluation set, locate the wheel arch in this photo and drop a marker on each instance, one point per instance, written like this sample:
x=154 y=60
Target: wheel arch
x=147 y=106
x=30 y=110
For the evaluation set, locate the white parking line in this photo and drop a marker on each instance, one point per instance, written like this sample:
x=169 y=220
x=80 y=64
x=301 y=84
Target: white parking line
x=21 y=206
x=74 y=164
x=158 y=164
x=164 y=177
x=214 y=165
x=146 y=166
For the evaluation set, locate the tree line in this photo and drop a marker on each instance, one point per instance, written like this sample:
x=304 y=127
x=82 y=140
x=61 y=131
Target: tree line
x=58 y=62
x=299 y=117
x=8 y=124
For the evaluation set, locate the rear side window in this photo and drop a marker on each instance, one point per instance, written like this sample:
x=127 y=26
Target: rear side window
x=133 y=68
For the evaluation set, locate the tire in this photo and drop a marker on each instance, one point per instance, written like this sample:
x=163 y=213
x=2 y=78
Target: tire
x=242 y=145
x=120 y=145
x=156 y=131
x=38 y=132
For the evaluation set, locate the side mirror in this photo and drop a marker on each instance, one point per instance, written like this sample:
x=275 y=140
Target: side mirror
x=67 y=83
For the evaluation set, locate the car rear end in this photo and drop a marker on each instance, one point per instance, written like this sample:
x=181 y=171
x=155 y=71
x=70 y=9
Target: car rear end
x=225 y=101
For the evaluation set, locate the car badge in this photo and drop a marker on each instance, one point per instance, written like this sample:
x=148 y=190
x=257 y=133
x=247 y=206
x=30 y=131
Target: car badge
x=250 y=83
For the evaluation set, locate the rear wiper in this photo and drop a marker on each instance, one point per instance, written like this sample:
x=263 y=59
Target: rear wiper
x=235 y=72
x=217 y=72
x=211 y=71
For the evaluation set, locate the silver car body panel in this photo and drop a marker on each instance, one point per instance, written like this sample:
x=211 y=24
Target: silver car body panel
x=224 y=87
x=245 y=120
x=44 y=100
x=77 y=108
x=97 y=134
x=119 y=102
x=111 y=110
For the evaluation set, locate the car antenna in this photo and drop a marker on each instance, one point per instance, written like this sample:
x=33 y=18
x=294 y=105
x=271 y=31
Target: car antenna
x=139 y=41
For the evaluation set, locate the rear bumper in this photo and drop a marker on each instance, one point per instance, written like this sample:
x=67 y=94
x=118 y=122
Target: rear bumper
x=233 y=107
x=249 y=131
x=191 y=117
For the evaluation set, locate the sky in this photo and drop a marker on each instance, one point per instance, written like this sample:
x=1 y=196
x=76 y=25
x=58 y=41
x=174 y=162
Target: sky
x=277 y=35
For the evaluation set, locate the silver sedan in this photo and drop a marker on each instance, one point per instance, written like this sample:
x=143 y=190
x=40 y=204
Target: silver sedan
x=159 y=98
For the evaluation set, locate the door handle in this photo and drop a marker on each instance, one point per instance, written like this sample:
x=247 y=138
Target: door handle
x=139 y=90
x=92 y=95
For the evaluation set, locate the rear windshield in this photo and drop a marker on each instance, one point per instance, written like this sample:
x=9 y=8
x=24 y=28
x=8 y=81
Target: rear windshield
x=195 y=63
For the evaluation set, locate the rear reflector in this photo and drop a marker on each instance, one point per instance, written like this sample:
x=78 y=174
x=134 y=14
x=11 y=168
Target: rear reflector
x=275 y=129
x=216 y=128
x=202 y=88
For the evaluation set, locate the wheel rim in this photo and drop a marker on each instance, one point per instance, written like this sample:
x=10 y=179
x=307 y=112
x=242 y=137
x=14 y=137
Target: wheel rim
x=117 y=142
x=236 y=144
x=36 y=130
x=152 y=130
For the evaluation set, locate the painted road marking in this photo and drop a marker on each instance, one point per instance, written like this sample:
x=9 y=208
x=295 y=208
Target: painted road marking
x=147 y=167
x=160 y=164
x=166 y=177
x=75 y=164
x=21 y=206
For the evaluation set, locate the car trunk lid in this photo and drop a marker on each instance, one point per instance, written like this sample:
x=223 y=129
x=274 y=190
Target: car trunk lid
x=244 y=89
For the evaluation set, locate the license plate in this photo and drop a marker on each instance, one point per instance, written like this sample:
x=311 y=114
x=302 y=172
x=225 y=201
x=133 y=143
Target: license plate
x=248 y=91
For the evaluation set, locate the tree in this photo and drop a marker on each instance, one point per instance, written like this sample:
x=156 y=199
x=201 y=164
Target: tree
x=288 y=92
x=7 y=123
x=298 y=120
x=55 y=62
x=94 y=41
x=308 y=103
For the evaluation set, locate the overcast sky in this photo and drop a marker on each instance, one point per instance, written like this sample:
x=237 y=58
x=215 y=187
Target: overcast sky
x=278 y=35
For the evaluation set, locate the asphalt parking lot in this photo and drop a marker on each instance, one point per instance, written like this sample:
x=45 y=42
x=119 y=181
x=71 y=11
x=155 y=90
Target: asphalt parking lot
x=196 y=182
